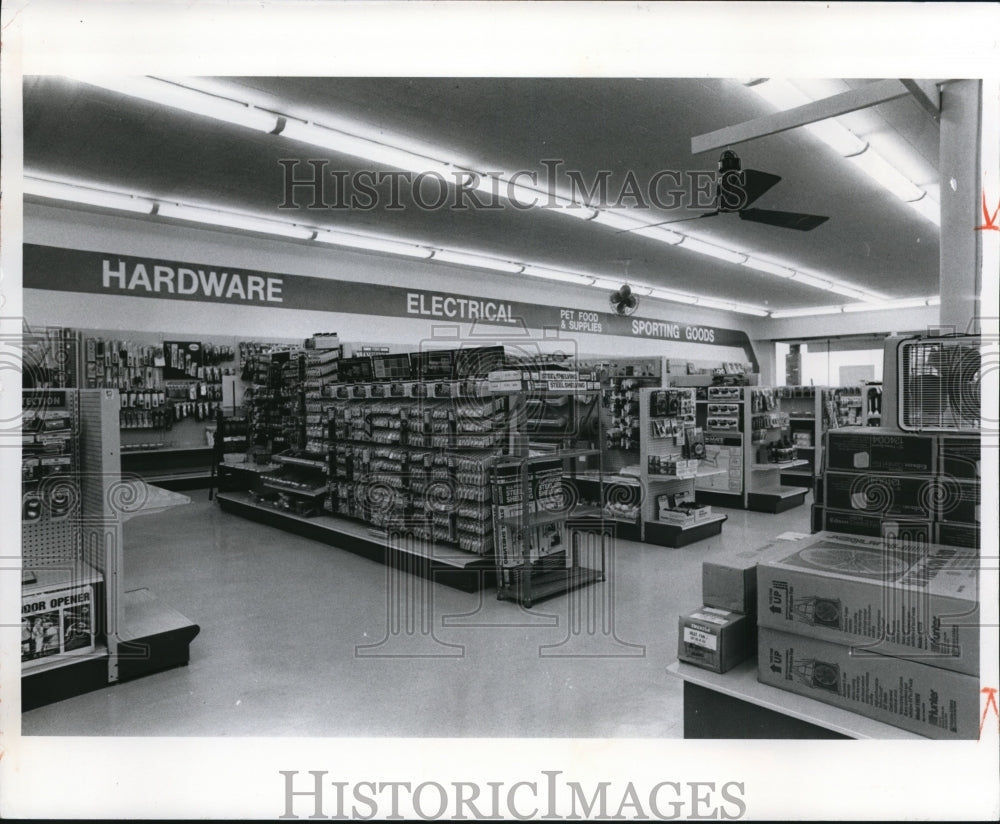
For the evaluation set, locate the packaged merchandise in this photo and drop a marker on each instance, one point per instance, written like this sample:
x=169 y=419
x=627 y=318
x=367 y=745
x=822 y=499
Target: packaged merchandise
x=56 y=621
x=926 y=700
x=920 y=603
x=960 y=457
x=915 y=496
x=715 y=639
x=870 y=449
x=729 y=581
x=915 y=531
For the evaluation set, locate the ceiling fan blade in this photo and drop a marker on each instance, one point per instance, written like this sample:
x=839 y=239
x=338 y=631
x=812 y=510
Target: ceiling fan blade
x=786 y=220
x=667 y=222
x=756 y=183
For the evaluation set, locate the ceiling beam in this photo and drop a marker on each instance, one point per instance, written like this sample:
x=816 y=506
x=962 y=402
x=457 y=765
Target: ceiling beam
x=849 y=101
x=927 y=94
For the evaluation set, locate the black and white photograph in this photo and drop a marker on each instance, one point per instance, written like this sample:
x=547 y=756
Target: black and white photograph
x=507 y=411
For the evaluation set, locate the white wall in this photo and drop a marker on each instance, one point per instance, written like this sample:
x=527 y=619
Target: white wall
x=91 y=231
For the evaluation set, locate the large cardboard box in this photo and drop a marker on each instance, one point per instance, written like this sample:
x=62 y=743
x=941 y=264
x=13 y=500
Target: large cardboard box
x=872 y=449
x=915 y=531
x=960 y=502
x=960 y=456
x=878 y=595
x=916 y=496
x=966 y=535
x=910 y=695
x=729 y=581
x=715 y=639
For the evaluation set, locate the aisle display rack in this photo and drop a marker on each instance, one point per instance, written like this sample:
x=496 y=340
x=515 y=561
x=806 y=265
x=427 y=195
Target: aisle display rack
x=81 y=630
x=672 y=460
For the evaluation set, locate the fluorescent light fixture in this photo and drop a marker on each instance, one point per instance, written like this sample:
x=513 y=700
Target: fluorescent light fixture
x=607 y=283
x=927 y=207
x=729 y=306
x=849 y=291
x=232 y=220
x=839 y=138
x=72 y=193
x=348 y=144
x=557 y=274
x=616 y=220
x=801 y=313
x=770 y=268
x=659 y=233
x=710 y=249
x=903 y=303
x=676 y=297
x=465 y=259
x=934 y=301
x=886 y=175
x=168 y=93
x=810 y=280
x=373 y=244
x=785 y=95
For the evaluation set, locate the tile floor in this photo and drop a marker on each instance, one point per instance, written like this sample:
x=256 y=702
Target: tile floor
x=295 y=641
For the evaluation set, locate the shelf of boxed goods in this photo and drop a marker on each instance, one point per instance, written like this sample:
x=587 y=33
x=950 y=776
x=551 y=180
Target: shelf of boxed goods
x=395 y=528
x=671 y=462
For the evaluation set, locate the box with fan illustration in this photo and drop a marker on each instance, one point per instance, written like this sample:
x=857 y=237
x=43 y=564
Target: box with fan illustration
x=882 y=597
x=872 y=449
x=929 y=701
x=960 y=456
x=915 y=496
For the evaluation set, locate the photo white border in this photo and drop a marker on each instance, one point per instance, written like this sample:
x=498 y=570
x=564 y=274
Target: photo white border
x=226 y=778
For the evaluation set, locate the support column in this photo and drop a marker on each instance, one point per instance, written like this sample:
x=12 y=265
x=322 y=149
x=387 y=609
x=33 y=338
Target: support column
x=961 y=204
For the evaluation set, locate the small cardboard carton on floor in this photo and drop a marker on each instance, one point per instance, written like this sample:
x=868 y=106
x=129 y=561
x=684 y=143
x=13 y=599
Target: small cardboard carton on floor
x=919 y=603
x=715 y=639
x=929 y=701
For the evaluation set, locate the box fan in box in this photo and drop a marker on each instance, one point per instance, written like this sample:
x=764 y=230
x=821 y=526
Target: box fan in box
x=937 y=382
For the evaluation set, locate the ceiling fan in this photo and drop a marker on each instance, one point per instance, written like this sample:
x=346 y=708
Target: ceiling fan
x=736 y=188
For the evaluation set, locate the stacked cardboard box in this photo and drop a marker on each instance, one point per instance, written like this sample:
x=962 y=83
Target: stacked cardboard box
x=723 y=632
x=884 y=628
x=921 y=488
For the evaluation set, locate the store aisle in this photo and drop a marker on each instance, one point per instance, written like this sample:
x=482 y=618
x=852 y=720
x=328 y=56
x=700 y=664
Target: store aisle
x=295 y=641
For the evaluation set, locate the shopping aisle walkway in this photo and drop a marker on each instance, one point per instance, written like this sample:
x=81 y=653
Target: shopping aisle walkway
x=292 y=636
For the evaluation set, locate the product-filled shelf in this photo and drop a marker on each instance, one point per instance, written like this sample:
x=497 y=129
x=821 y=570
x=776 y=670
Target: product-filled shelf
x=711 y=519
x=763 y=467
x=541 y=518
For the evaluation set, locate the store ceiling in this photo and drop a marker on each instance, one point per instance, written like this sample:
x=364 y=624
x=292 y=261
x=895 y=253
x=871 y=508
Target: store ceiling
x=872 y=239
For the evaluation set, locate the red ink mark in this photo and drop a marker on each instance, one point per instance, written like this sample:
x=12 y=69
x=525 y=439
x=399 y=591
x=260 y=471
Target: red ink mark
x=991 y=701
x=991 y=220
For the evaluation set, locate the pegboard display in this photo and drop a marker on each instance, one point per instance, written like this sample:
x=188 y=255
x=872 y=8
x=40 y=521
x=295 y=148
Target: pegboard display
x=50 y=464
x=672 y=446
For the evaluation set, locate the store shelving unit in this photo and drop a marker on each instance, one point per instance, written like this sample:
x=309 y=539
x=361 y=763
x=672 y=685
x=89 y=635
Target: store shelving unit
x=670 y=437
x=403 y=458
x=541 y=514
x=74 y=505
x=738 y=421
x=872 y=399
x=804 y=407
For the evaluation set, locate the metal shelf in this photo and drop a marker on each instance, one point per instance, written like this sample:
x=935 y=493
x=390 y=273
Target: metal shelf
x=785 y=465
